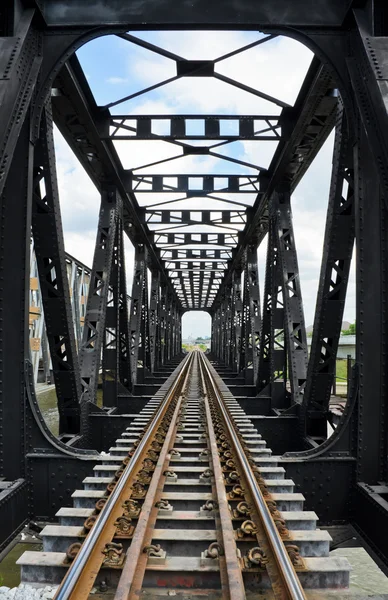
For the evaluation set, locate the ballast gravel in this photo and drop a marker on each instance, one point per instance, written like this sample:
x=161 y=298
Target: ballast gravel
x=27 y=592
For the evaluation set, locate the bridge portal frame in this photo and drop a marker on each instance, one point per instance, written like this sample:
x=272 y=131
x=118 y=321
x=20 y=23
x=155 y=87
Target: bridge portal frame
x=350 y=42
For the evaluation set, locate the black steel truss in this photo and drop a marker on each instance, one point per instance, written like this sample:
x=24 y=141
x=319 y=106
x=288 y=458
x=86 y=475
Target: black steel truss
x=100 y=295
x=51 y=261
x=198 y=258
x=336 y=261
x=145 y=127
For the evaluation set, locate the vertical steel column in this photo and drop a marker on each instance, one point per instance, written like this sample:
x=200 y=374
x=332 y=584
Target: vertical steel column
x=215 y=333
x=110 y=351
x=75 y=298
x=162 y=342
x=123 y=335
x=294 y=325
x=139 y=321
x=154 y=317
x=272 y=373
x=54 y=284
x=237 y=320
x=20 y=63
x=116 y=372
x=95 y=317
x=228 y=326
x=336 y=261
x=169 y=326
x=15 y=232
x=372 y=324
x=179 y=331
x=250 y=336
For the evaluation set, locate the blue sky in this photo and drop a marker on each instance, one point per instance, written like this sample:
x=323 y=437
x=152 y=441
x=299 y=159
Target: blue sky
x=116 y=68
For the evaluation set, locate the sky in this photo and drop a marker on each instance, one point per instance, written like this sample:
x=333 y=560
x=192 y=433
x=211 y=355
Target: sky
x=116 y=68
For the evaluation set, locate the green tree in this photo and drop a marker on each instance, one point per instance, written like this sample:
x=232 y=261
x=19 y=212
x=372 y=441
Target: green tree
x=351 y=330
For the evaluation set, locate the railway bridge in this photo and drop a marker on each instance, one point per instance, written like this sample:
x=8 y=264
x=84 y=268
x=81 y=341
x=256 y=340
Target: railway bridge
x=189 y=452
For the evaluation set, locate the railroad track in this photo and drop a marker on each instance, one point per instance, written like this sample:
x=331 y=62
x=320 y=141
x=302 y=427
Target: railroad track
x=189 y=501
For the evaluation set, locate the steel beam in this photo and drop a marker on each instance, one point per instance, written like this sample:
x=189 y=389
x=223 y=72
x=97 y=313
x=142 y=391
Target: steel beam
x=54 y=285
x=96 y=310
x=176 y=127
x=294 y=325
x=20 y=63
x=336 y=261
x=195 y=185
x=154 y=317
x=307 y=125
x=116 y=370
x=272 y=371
x=251 y=325
x=77 y=117
x=190 y=217
x=73 y=13
x=15 y=222
x=139 y=318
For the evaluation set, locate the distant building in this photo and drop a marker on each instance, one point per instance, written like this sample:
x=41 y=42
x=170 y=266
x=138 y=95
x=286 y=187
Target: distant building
x=346 y=346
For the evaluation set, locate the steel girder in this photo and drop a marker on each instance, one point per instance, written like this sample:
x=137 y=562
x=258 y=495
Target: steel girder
x=116 y=369
x=73 y=13
x=308 y=124
x=251 y=323
x=77 y=117
x=140 y=127
x=93 y=338
x=294 y=325
x=139 y=324
x=154 y=317
x=195 y=185
x=283 y=352
x=273 y=358
x=336 y=261
x=54 y=285
x=20 y=63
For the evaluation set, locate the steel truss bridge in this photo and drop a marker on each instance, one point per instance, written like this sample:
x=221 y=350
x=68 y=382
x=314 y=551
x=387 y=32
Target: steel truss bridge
x=201 y=259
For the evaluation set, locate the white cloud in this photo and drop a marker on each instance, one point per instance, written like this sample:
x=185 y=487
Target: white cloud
x=116 y=80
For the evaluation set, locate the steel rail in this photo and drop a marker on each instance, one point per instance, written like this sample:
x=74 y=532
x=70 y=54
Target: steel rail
x=291 y=585
x=71 y=579
x=232 y=569
x=135 y=564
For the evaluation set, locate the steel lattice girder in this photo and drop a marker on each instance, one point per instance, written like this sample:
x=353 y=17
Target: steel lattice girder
x=336 y=261
x=51 y=261
x=355 y=44
x=140 y=127
x=76 y=115
x=311 y=143
x=96 y=311
x=194 y=185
